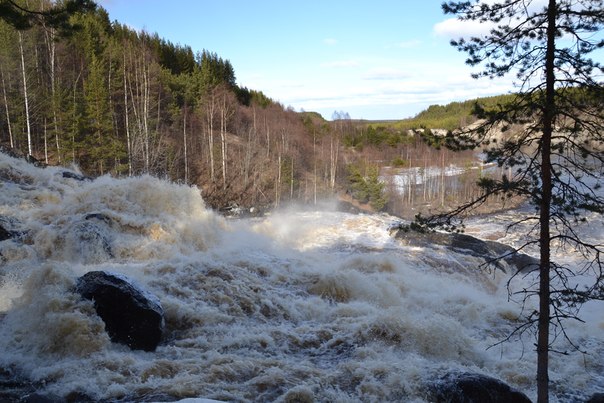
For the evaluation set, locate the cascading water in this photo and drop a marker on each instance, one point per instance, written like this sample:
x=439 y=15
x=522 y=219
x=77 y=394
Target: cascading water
x=314 y=306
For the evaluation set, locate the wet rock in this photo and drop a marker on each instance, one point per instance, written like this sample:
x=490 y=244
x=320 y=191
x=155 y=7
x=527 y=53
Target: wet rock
x=90 y=240
x=131 y=315
x=232 y=209
x=5 y=234
x=12 y=389
x=76 y=176
x=41 y=398
x=466 y=244
x=99 y=217
x=79 y=397
x=35 y=162
x=347 y=207
x=11 y=152
x=9 y=228
x=596 y=398
x=474 y=388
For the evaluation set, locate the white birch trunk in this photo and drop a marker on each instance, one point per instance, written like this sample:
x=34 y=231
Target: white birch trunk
x=27 y=119
x=127 y=120
x=8 y=122
x=184 y=139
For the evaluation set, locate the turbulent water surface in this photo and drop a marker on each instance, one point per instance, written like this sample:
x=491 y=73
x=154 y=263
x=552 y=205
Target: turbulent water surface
x=298 y=306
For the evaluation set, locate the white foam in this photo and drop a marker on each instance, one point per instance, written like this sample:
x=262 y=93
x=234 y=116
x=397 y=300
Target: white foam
x=320 y=305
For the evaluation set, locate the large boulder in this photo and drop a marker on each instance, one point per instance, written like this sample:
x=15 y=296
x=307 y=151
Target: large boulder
x=132 y=316
x=490 y=251
x=475 y=388
x=76 y=176
x=596 y=398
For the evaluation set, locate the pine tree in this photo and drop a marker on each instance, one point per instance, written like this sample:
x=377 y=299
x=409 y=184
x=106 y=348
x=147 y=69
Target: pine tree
x=556 y=159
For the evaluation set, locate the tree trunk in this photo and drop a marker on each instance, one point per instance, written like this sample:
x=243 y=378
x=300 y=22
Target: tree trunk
x=45 y=144
x=8 y=122
x=278 y=182
x=314 y=153
x=184 y=140
x=333 y=151
x=146 y=95
x=51 y=45
x=210 y=115
x=127 y=121
x=291 y=181
x=27 y=118
x=223 y=143
x=544 y=213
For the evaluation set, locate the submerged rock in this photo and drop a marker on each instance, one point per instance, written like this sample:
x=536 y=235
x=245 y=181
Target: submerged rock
x=131 y=315
x=90 y=240
x=475 y=388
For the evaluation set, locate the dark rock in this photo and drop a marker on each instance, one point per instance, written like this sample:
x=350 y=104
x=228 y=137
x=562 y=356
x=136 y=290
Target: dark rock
x=35 y=162
x=475 y=388
x=11 y=152
x=491 y=251
x=5 y=234
x=13 y=388
x=98 y=216
x=132 y=316
x=347 y=207
x=78 y=397
x=10 y=228
x=232 y=209
x=40 y=398
x=76 y=176
x=596 y=398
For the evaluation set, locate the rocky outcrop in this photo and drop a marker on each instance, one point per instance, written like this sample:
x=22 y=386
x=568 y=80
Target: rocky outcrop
x=131 y=315
x=474 y=388
x=490 y=251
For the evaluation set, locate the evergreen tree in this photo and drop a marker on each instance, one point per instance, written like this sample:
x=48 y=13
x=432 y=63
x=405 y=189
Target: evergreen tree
x=556 y=159
x=367 y=188
x=100 y=141
x=21 y=16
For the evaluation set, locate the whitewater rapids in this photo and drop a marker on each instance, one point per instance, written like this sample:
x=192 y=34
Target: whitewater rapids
x=297 y=306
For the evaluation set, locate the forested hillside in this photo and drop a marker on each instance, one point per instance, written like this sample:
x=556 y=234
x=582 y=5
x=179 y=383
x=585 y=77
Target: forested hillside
x=116 y=101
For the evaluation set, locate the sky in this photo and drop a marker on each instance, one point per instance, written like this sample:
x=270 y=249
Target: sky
x=378 y=59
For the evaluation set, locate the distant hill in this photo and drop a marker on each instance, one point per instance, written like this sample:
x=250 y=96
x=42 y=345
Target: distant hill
x=450 y=116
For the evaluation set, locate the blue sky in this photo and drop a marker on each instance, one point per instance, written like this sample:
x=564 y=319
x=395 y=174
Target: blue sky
x=378 y=59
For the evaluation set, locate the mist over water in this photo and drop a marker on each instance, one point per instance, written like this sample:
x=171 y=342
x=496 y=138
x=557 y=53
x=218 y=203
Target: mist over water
x=322 y=306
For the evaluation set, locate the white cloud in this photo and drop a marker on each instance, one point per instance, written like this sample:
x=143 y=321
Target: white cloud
x=330 y=41
x=341 y=63
x=395 y=91
x=386 y=74
x=454 y=28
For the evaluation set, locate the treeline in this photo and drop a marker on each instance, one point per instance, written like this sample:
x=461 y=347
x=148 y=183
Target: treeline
x=116 y=101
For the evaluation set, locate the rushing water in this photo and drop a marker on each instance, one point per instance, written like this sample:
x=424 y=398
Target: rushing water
x=322 y=306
